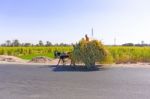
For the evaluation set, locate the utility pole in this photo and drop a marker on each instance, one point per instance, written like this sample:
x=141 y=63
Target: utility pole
x=92 y=33
x=115 y=41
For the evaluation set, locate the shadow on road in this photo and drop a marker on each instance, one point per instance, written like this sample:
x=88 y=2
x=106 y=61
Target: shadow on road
x=66 y=68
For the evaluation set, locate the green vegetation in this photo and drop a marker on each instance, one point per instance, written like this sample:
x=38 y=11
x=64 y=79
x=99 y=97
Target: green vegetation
x=118 y=54
x=130 y=54
x=30 y=52
x=89 y=52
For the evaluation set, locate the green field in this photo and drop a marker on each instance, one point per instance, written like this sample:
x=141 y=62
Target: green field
x=117 y=54
x=130 y=54
x=30 y=52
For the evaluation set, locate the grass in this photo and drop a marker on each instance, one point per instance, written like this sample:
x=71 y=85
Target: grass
x=30 y=57
x=118 y=54
x=30 y=52
x=130 y=54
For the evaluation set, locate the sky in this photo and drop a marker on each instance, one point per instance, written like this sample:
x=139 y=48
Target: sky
x=68 y=21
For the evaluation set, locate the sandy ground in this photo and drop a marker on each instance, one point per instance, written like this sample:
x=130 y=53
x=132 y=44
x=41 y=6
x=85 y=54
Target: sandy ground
x=4 y=59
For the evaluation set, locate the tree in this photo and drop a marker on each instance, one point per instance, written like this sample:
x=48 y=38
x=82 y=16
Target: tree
x=8 y=43
x=61 y=44
x=48 y=43
x=128 y=44
x=3 y=45
x=41 y=43
x=15 y=43
x=27 y=44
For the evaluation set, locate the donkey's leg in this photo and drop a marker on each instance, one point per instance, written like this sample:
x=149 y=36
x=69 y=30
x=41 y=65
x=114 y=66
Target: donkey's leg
x=59 y=61
x=63 y=61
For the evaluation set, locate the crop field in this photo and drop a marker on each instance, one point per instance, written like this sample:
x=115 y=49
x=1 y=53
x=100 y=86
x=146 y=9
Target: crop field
x=130 y=54
x=117 y=54
x=30 y=52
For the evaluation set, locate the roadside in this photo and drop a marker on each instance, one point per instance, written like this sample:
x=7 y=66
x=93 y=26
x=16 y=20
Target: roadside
x=4 y=59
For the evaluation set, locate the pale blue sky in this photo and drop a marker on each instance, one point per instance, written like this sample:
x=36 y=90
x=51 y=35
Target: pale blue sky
x=69 y=20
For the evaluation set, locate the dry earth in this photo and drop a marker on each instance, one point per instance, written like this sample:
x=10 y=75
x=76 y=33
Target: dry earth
x=5 y=59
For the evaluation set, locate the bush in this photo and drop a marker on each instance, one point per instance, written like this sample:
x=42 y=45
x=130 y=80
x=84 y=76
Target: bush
x=89 y=52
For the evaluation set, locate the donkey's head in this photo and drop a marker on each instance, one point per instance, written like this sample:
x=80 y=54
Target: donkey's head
x=57 y=54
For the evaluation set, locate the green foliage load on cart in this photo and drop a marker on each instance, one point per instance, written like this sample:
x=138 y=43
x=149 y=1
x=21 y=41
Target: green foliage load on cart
x=89 y=52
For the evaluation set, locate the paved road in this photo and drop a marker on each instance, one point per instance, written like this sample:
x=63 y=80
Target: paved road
x=42 y=82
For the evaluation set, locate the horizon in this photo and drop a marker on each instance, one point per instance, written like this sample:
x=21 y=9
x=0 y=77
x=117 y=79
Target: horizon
x=45 y=42
x=68 y=21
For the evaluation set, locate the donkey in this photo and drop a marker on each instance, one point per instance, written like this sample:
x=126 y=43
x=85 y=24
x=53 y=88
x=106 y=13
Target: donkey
x=63 y=56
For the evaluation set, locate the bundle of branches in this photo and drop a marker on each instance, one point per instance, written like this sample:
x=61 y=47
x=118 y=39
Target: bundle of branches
x=89 y=52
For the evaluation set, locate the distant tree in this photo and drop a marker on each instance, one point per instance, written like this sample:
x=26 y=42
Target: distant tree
x=27 y=44
x=3 y=45
x=63 y=44
x=48 y=43
x=142 y=43
x=15 y=43
x=8 y=43
x=137 y=44
x=56 y=44
x=128 y=44
x=41 y=43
